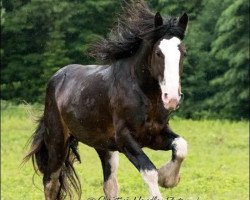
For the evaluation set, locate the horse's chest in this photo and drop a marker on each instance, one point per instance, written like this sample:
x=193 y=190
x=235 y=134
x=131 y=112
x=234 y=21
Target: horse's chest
x=155 y=121
x=156 y=118
x=153 y=127
x=147 y=134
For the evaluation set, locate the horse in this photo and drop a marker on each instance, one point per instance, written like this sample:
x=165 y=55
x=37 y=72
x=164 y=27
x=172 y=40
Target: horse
x=119 y=106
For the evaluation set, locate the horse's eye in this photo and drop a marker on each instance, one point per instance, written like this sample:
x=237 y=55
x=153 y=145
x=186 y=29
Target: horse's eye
x=158 y=53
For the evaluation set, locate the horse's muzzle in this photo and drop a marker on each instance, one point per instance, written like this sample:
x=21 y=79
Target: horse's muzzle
x=172 y=104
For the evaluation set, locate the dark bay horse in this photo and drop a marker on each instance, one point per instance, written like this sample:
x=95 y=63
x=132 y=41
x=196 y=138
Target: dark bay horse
x=119 y=107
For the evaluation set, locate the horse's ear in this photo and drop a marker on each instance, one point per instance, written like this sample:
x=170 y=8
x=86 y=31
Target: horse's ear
x=183 y=21
x=158 y=20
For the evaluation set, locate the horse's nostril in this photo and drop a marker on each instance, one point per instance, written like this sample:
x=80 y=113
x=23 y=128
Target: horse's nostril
x=165 y=95
x=182 y=95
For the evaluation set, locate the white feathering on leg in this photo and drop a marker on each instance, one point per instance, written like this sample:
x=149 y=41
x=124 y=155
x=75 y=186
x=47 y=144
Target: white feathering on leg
x=150 y=177
x=180 y=146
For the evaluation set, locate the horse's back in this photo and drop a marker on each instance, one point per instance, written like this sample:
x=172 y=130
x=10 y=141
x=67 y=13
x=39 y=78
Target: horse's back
x=73 y=82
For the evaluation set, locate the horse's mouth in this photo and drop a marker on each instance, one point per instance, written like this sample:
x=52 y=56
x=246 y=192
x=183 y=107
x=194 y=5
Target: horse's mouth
x=172 y=105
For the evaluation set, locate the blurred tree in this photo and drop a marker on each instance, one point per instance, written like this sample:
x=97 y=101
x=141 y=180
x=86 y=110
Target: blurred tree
x=231 y=47
x=26 y=41
x=216 y=80
x=39 y=37
x=177 y=8
x=201 y=67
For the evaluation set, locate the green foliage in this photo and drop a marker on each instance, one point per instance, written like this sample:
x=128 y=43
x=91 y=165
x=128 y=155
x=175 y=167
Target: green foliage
x=216 y=167
x=176 y=8
x=232 y=48
x=217 y=76
x=39 y=37
x=200 y=66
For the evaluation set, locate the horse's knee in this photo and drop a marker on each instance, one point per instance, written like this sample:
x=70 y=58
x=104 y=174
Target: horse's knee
x=179 y=148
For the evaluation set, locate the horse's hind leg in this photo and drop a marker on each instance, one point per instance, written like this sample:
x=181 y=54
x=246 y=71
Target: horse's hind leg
x=53 y=152
x=110 y=161
x=51 y=176
x=51 y=185
x=57 y=149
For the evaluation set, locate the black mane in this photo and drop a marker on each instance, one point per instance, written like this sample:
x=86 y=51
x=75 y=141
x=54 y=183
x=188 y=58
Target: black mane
x=135 y=24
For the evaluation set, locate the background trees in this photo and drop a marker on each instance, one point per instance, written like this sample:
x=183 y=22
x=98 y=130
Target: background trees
x=231 y=49
x=38 y=37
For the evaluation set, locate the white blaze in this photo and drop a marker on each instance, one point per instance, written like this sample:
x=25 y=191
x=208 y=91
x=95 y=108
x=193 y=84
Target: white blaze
x=170 y=82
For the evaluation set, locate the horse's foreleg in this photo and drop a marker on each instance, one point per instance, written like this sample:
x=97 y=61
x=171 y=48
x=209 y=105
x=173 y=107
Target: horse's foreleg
x=169 y=174
x=134 y=153
x=110 y=161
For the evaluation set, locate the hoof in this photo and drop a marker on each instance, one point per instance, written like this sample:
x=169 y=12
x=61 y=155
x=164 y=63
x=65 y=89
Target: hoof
x=167 y=177
x=169 y=182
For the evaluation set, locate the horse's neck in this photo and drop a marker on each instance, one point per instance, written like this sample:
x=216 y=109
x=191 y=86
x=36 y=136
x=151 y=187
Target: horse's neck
x=146 y=82
x=137 y=68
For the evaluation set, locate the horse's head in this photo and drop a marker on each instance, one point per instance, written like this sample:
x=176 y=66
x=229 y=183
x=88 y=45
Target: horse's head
x=167 y=60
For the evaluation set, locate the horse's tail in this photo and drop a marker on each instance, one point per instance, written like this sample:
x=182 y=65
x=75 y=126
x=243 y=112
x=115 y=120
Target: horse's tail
x=39 y=154
x=38 y=151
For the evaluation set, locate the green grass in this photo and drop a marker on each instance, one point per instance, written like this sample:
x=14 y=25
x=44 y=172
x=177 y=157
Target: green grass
x=216 y=167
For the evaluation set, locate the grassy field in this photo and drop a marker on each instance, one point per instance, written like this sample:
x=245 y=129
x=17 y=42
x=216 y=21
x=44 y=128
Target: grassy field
x=217 y=166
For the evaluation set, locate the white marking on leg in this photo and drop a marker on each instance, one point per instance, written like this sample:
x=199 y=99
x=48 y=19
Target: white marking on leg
x=180 y=146
x=52 y=187
x=150 y=177
x=171 y=80
x=169 y=174
x=114 y=161
x=111 y=185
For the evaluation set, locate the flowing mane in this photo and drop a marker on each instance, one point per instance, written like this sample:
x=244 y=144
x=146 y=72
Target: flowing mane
x=135 y=24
